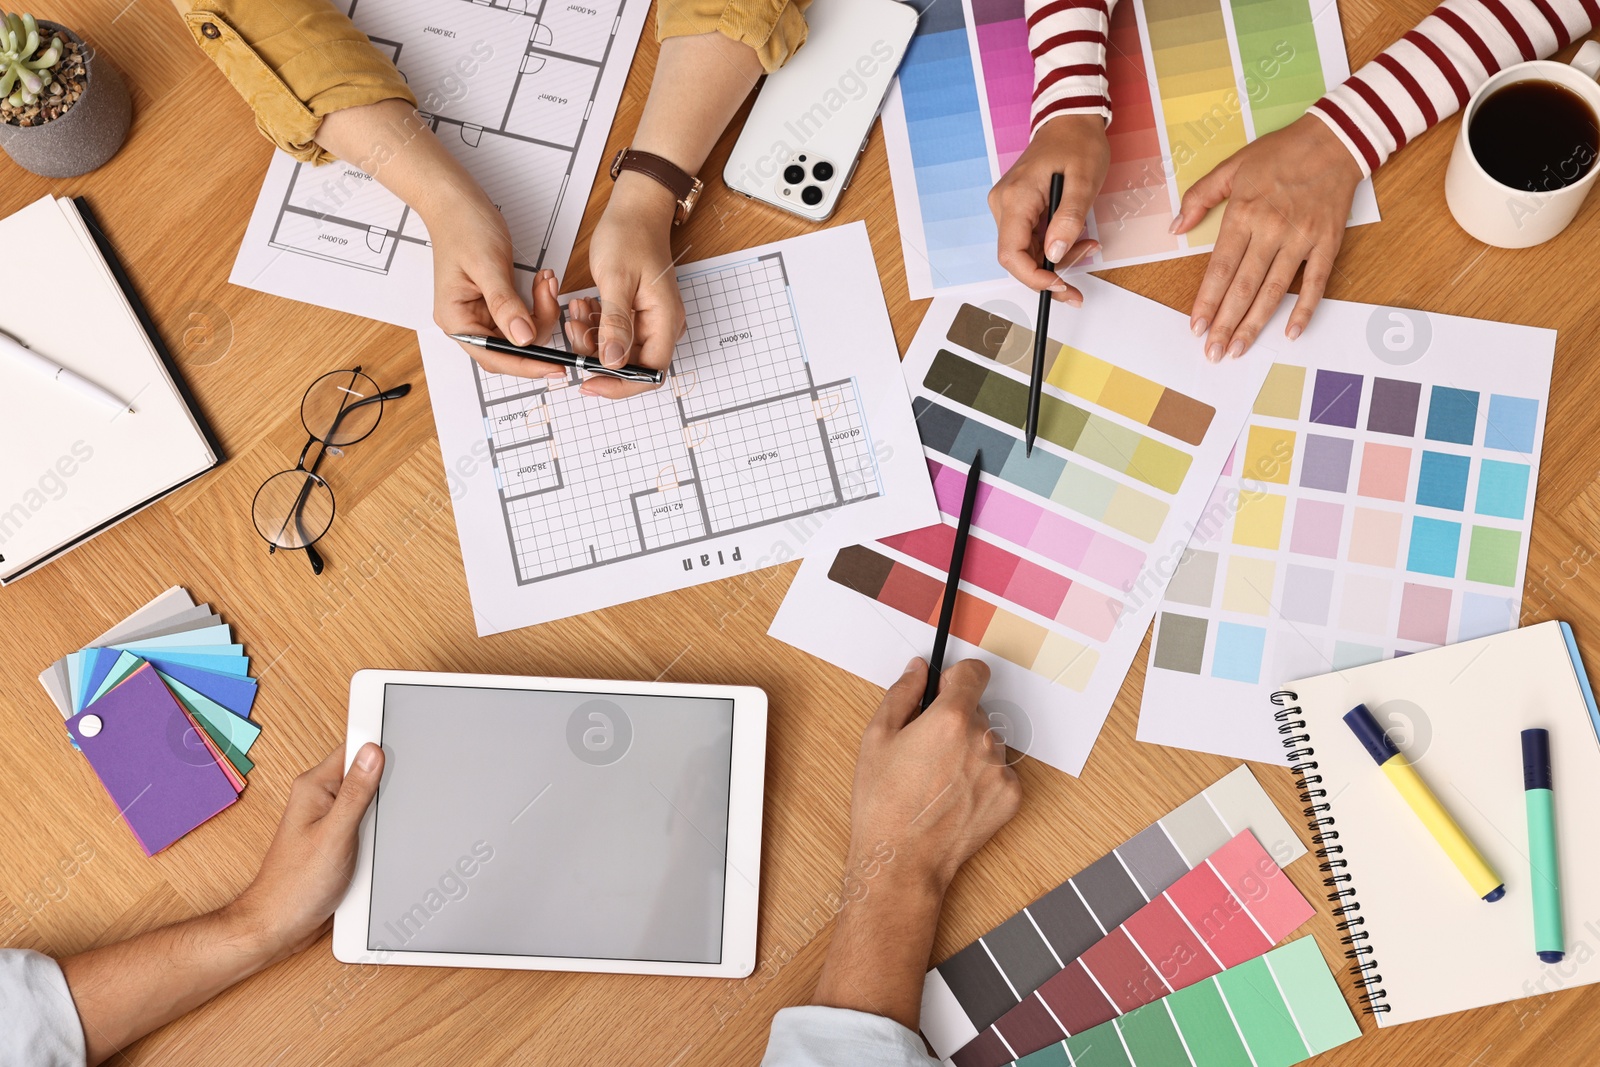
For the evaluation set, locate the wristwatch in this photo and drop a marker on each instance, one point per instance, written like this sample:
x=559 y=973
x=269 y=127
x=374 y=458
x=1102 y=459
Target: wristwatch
x=685 y=188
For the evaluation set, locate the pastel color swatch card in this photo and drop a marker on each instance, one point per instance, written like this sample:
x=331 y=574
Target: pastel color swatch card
x=1378 y=503
x=1070 y=546
x=1191 y=82
x=1232 y=907
x=978 y=985
x=134 y=738
x=1272 y=1011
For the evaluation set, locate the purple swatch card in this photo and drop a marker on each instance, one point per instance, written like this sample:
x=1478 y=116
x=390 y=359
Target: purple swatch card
x=134 y=737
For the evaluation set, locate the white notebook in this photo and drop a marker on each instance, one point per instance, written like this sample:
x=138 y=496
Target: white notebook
x=71 y=466
x=1429 y=945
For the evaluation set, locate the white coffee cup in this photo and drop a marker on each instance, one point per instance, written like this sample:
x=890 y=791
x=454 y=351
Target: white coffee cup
x=1497 y=214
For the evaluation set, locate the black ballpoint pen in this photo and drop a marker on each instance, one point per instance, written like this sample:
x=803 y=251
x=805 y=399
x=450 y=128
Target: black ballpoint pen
x=632 y=372
x=1041 y=328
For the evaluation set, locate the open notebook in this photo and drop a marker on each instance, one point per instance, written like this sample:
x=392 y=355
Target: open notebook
x=1428 y=945
x=73 y=467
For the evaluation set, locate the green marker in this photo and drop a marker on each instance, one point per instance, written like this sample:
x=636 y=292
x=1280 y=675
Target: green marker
x=1545 y=875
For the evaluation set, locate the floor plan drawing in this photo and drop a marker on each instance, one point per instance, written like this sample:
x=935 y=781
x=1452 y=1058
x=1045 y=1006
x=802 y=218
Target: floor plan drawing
x=740 y=436
x=782 y=429
x=521 y=91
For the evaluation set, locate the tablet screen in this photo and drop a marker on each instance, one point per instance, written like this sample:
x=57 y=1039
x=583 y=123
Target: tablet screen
x=539 y=823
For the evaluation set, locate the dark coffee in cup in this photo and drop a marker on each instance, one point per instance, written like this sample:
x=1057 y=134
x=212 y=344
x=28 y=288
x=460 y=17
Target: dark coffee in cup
x=1534 y=135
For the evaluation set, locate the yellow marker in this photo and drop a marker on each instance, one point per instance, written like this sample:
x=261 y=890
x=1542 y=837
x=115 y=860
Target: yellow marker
x=1462 y=852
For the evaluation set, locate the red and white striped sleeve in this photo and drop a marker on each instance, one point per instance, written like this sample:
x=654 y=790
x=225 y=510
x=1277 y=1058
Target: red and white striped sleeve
x=1068 y=41
x=1431 y=72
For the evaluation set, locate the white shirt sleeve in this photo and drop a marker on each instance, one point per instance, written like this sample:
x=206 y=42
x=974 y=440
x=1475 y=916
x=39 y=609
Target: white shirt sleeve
x=39 y=1024
x=814 y=1036
x=1068 y=41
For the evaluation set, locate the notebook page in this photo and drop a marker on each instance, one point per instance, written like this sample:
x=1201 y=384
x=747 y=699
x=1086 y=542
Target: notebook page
x=72 y=463
x=1440 y=948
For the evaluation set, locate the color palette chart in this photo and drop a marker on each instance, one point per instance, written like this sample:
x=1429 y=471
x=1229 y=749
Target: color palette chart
x=1378 y=503
x=1272 y=1011
x=1063 y=569
x=1231 y=908
x=973 y=989
x=1191 y=82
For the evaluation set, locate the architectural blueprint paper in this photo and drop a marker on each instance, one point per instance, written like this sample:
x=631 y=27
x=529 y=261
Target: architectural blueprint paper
x=783 y=428
x=521 y=91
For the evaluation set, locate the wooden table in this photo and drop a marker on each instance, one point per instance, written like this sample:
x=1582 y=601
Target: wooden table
x=176 y=200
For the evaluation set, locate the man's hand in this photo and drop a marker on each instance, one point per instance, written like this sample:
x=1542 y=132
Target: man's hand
x=933 y=787
x=1289 y=196
x=929 y=791
x=1075 y=147
x=309 y=863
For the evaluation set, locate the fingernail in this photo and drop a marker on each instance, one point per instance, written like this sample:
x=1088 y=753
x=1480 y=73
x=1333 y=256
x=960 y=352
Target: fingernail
x=1075 y=301
x=586 y=389
x=915 y=663
x=521 y=332
x=1059 y=287
x=615 y=355
x=556 y=376
x=1176 y=222
x=1198 y=326
x=1087 y=251
x=1214 y=353
x=1295 y=331
x=1056 y=250
x=553 y=289
x=367 y=757
x=1236 y=349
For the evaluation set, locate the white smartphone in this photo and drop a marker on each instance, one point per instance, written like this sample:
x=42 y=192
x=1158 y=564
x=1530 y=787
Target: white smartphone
x=800 y=146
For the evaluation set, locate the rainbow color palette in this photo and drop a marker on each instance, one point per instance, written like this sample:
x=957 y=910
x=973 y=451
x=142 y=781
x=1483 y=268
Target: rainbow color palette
x=1272 y=1011
x=1230 y=908
x=1219 y=73
x=976 y=987
x=1072 y=545
x=1377 y=504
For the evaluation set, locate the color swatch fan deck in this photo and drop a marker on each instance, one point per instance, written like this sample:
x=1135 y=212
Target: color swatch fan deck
x=1065 y=564
x=1190 y=82
x=1378 y=503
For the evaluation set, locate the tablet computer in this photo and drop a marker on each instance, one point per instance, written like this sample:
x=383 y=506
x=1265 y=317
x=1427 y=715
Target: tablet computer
x=557 y=824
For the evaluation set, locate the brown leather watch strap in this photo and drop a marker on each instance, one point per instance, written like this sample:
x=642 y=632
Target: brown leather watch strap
x=685 y=188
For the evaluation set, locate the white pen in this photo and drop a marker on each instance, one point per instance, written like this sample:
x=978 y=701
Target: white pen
x=76 y=382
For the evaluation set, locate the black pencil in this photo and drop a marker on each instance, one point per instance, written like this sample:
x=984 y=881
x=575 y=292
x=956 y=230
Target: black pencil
x=1041 y=328
x=952 y=580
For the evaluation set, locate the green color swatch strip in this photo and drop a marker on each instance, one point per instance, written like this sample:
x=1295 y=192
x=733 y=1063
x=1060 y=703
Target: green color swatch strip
x=1282 y=66
x=1273 y=1011
x=994 y=393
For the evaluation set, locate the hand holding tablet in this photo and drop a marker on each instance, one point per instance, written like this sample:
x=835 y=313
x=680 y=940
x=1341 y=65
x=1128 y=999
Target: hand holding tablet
x=557 y=824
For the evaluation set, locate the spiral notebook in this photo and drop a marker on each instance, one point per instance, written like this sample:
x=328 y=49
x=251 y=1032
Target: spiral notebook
x=1421 y=943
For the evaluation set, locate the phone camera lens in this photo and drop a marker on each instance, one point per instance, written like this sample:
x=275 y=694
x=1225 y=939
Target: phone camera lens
x=822 y=171
x=794 y=174
x=802 y=159
x=811 y=195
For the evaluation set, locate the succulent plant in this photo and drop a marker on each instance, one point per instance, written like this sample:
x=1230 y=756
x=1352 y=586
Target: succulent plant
x=25 y=68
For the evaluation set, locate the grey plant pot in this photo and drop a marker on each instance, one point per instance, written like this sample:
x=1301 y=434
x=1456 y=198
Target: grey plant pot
x=87 y=135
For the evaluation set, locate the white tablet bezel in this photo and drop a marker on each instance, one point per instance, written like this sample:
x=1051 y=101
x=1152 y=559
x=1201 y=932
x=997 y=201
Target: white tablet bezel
x=741 y=875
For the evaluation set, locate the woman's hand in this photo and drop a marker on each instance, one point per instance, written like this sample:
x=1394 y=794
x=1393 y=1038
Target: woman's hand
x=1075 y=147
x=1289 y=196
x=475 y=286
x=640 y=309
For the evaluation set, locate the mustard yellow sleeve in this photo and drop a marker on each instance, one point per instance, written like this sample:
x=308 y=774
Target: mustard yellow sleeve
x=774 y=28
x=293 y=61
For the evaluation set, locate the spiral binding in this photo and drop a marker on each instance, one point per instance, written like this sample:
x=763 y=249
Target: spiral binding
x=1333 y=865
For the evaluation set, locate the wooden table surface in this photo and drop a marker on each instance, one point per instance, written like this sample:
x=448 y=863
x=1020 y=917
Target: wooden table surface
x=175 y=202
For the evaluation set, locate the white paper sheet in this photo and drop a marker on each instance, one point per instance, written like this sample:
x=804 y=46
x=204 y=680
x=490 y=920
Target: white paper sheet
x=783 y=429
x=523 y=95
x=1379 y=503
x=1070 y=548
